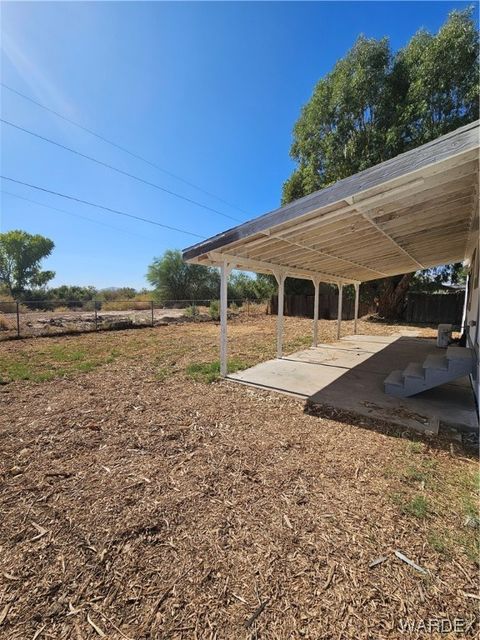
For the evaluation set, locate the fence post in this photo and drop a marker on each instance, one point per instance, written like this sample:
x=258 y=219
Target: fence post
x=96 y=317
x=151 y=303
x=248 y=308
x=18 y=319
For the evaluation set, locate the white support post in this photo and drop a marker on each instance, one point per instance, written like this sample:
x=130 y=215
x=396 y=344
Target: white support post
x=281 y=277
x=316 y=301
x=357 y=296
x=339 y=317
x=225 y=269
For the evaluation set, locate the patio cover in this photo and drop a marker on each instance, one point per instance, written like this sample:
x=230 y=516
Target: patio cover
x=417 y=210
x=412 y=212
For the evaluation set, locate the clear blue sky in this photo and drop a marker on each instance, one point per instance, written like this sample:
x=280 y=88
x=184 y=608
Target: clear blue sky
x=209 y=91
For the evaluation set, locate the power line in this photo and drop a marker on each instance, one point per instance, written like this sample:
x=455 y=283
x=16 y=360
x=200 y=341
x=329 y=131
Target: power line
x=99 y=206
x=113 y=168
x=121 y=148
x=70 y=213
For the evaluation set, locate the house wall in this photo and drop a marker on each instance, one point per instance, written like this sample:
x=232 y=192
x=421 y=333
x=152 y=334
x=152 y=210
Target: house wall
x=472 y=313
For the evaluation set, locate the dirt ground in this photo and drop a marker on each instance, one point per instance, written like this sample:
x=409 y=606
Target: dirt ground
x=40 y=323
x=139 y=502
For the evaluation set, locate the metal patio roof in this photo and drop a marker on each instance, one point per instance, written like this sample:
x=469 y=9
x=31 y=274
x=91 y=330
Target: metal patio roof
x=417 y=210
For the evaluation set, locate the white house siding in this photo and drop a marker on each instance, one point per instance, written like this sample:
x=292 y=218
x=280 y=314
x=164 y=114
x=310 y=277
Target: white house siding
x=472 y=314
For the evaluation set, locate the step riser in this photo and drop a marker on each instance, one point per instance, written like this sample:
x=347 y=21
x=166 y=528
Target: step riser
x=395 y=390
x=433 y=377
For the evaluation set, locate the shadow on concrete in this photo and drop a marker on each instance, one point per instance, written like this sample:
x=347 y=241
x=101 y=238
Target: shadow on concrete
x=344 y=381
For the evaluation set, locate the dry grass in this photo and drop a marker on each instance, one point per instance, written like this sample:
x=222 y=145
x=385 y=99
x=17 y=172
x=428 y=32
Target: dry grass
x=143 y=504
x=126 y=305
x=5 y=323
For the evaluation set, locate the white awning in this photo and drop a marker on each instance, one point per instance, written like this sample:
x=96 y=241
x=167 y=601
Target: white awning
x=414 y=211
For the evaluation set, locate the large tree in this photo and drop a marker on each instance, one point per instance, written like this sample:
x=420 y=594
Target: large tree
x=21 y=254
x=174 y=279
x=374 y=105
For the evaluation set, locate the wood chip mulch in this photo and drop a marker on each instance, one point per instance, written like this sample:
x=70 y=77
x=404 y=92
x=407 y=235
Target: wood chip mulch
x=133 y=508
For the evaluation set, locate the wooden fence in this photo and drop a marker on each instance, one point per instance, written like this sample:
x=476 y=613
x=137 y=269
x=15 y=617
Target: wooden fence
x=421 y=308
x=302 y=306
x=433 y=308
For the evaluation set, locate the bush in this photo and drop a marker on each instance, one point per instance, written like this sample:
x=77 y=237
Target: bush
x=192 y=311
x=62 y=309
x=214 y=309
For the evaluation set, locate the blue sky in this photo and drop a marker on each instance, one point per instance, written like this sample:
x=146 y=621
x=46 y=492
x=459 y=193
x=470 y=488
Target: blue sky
x=208 y=91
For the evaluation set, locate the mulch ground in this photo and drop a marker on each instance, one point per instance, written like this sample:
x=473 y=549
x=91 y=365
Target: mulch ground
x=134 y=506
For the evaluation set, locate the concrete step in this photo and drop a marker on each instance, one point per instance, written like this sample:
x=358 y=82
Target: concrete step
x=393 y=384
x=434 y=361
x=414 y=370
x=395 y=377
x=459 y=353
x=437 y=369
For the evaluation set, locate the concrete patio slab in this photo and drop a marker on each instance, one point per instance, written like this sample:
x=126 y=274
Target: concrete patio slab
x=349 y=375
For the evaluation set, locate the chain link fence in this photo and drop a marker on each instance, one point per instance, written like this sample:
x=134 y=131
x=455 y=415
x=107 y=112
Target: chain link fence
x=29 y=318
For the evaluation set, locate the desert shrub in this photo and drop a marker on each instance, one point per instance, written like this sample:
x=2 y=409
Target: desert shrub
x=89 y=305
x=192 y=311
x=62 y=309
x=214 y=309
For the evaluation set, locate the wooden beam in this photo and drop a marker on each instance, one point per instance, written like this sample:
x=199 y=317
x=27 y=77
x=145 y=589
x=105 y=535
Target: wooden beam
x=400 y=248
x=260 y=266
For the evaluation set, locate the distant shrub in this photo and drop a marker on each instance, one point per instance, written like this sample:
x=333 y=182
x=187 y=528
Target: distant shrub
x=192 y=311
x=214 y=309
x=89 y=305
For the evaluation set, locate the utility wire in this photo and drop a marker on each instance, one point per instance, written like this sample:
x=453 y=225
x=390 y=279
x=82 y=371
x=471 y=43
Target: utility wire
x=121 y=148
x=70 y=213
x=99 y=206
x=113 y=168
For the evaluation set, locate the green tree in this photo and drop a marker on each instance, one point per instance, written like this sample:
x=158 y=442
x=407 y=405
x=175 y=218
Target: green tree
x=173 y=279
x=374 y=105
x=21 y=254
x=243 y=287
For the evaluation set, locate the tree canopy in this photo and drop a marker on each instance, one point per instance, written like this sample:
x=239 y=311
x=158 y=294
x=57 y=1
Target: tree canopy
x=173 y=279
x=376 y=104
x=21 y=254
